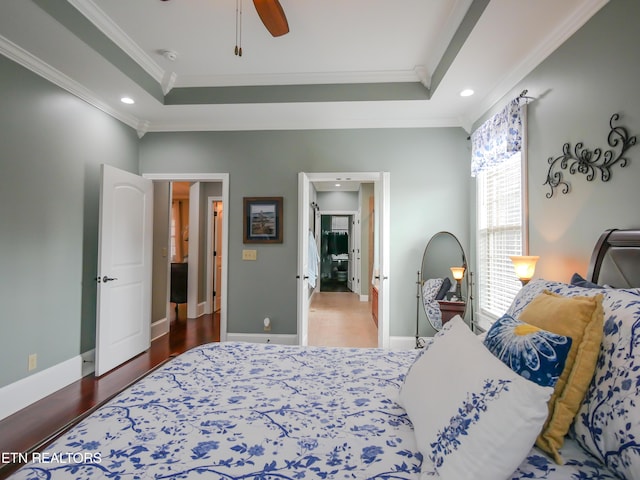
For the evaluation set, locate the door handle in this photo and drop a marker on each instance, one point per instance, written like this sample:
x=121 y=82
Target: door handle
x=106 y=279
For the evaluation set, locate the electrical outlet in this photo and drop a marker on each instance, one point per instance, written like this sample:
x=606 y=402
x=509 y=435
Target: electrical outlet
x=249 y=254
x=33 y=361
x=267 y=324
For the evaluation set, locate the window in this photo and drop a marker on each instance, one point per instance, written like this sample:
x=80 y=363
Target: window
x=498 y=165
x=500 y=234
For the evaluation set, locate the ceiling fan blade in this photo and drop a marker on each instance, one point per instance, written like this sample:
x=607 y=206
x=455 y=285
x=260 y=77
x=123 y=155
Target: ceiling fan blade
x=273 y=17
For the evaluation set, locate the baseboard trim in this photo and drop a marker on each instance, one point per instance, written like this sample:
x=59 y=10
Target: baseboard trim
x=88 y=362
x=159 y=328
x=28 y=390
x=280 y=339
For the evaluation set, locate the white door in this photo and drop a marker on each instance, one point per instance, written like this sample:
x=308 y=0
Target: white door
x=303 y=259
x=383 y=209
x=125 y=245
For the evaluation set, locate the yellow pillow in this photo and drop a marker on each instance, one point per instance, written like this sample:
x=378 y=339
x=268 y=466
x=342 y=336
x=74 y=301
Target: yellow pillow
x=581 y=319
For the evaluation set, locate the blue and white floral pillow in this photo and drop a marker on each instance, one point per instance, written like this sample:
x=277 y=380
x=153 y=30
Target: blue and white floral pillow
x=473 y=417
x=535 y=354
x=608 y=422
x=430 y=289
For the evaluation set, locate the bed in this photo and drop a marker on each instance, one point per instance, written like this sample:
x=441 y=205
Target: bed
x=256 y=411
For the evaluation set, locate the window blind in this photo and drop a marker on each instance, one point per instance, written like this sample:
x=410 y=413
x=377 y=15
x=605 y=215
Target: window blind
x=499 y=223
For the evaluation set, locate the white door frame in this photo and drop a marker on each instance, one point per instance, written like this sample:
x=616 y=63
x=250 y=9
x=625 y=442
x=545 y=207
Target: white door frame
x=209 y=177
x=210 y=267
x=303 y=259
x=193 y=257
x=381 y=181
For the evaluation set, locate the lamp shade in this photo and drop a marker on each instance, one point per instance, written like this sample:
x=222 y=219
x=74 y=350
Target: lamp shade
x=457 y=272
x=525 y=266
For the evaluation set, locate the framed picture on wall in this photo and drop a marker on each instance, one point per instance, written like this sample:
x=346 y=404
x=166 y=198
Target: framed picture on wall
x=262 y=221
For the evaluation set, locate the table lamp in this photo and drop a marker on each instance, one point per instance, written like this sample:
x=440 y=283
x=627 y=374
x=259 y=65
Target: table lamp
x=525 y=266
x=458 y=273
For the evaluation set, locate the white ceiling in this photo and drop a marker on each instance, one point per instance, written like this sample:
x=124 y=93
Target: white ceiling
x=102 y=50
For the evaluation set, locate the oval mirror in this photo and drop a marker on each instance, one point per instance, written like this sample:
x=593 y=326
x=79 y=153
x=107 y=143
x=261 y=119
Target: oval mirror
x=444 y=279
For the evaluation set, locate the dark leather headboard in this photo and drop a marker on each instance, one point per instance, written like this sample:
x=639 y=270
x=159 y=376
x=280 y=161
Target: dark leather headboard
x=616 y=259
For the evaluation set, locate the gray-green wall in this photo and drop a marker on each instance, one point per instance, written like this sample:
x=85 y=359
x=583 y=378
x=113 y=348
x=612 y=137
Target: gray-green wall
x=161 y=255
x=425 y=167
x=52 y=145
x=592 y=76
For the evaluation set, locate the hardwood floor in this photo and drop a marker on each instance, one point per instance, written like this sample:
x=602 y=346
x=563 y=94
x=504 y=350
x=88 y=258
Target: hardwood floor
x=335 y=319
x=32 y=427
x=341 y=320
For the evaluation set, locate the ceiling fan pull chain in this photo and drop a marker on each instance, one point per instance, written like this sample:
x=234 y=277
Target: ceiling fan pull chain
x=236 y=50
x=240 y=35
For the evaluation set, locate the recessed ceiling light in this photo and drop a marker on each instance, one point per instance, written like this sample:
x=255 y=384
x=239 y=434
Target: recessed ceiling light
x=337 y=184
x=467 y=92
x=127 y=100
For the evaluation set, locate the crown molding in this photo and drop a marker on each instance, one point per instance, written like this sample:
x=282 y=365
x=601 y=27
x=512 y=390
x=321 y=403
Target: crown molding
x=103 y=22
x=186 y=81
x=168 y=82
x=545 y=48
x=46 y=71
x=328 y=122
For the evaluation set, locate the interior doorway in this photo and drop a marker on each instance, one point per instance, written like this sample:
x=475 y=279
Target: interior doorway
x=179 y=249
x=311 y=301
x=200 y=285
x=338 y=247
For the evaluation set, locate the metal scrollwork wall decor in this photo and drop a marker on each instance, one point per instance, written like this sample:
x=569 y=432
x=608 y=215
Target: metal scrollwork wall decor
x=590 y=162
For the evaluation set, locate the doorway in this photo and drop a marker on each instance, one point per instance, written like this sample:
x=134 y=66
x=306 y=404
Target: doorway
x=307 y=199
x=340 y=313
x=337 y=248
x=179 y=249
x=200 y=284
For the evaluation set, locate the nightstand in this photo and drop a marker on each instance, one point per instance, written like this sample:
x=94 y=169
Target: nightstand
x=449 y=310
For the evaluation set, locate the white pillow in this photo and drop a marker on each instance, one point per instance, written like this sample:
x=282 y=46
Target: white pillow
x=473 y=417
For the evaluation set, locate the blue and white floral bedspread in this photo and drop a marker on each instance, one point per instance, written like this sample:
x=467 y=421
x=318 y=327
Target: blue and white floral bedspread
x=245 y=411
x=255 y=411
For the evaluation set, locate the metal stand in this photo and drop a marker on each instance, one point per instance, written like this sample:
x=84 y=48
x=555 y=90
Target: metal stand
x=419 y=341
x=472 y=321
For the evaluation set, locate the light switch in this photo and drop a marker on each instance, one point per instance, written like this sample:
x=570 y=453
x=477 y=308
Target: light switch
x=249 y=254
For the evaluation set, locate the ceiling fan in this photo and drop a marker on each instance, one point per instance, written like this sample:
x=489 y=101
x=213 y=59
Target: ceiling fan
x=273 y=17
